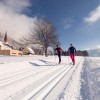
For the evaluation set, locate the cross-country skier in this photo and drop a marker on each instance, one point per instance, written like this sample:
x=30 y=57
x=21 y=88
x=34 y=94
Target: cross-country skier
x=59 y=50
x=72 y=51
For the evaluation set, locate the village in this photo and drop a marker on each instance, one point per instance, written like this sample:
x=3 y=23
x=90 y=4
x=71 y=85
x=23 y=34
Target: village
x=7 y=49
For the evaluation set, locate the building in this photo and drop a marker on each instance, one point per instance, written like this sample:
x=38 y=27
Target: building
x=5 y=49
x=27 y=51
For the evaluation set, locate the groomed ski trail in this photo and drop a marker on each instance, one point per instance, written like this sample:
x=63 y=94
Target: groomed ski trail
x=44 y=83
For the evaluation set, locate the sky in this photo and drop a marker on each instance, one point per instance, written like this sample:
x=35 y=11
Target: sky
x=76 y=21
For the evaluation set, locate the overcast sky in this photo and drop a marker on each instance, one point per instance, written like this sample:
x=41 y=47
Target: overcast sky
x=76 y=21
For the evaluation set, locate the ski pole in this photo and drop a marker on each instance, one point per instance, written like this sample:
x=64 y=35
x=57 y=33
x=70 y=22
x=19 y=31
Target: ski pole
x=54 y=54
x=55 y=58
x=68 y=59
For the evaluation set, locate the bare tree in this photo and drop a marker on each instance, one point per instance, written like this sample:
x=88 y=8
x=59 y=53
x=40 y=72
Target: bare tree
x=44 y=34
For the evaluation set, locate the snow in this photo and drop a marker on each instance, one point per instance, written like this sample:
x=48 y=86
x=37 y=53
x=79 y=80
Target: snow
x=90 y=79
x=1 y=43
x=42 y=78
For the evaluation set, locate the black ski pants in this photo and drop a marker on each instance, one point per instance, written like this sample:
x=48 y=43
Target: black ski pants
x=59 y=56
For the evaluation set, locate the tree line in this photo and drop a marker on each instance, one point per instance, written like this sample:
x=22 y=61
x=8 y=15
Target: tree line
x=78 y=53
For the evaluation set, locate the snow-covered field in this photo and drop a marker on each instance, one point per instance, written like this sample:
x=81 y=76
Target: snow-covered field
x=90 y=79
x=42 y=78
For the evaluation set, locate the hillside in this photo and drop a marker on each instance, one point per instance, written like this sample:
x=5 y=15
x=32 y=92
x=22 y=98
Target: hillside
x=94 y=52
x=11 y=42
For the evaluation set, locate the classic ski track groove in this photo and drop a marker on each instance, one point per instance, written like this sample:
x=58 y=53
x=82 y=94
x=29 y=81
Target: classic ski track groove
x=35 y=92
x=65 y=87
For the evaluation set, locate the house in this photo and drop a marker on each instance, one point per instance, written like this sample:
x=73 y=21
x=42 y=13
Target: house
x=5 y=49
x=27 y=51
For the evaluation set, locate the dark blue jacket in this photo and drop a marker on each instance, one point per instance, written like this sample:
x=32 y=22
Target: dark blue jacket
x=72 y=50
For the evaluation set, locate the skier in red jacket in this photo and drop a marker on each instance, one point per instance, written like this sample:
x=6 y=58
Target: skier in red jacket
x=58 y=49
x=72 y=52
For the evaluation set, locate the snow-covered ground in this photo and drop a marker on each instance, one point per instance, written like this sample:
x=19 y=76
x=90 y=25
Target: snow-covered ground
x=90 y=79
x=42 y=78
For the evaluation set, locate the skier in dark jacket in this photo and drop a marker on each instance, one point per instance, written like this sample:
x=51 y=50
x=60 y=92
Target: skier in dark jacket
x=58 y=49
x=72 y=51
